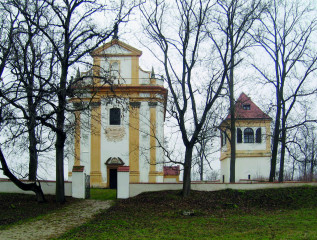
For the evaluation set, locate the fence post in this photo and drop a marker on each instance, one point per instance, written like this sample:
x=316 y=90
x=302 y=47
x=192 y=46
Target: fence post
x=78 y=182
x=123 y=181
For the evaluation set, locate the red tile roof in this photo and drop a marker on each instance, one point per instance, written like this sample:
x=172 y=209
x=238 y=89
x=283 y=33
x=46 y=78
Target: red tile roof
x=171 y=170
x=253 y=113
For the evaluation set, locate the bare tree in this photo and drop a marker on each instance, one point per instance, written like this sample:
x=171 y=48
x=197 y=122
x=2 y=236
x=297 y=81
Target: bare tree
x=285 y=35
x=232 y=21
x=11 y=31
x=181 y=40
x=70 y=30
x=205 y=148
x=303 y=150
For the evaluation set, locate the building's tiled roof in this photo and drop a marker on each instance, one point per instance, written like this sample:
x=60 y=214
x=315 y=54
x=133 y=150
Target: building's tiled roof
x=244 y=112
x=171 y=170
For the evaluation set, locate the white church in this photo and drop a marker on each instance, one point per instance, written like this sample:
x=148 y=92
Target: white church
x=124 y=126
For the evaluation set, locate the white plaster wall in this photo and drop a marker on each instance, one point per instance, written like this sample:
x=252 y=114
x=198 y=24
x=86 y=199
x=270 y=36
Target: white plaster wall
x=160 y=137
x=252 y=146
x=144 y=136
x=78 y=185
x=119 y=148
x=48 y=187
x=70 y=145
x=225 y=169
x=257 y=167
x=116 y=49
x=144 y=77
x=123 y=185
x=159 y=82
x=124 y=67
x=85 y=141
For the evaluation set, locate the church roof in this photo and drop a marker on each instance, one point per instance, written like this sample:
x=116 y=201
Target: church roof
x=246 y=109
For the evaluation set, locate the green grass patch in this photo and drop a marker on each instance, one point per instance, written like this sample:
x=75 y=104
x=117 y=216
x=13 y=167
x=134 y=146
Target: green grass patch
x=289 y=213
x=103 y=194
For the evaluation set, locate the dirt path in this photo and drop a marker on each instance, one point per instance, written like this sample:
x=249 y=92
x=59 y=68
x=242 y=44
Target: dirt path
x=57 y=223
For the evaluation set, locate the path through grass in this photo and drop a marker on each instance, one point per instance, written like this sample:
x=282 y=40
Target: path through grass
x=262 y=214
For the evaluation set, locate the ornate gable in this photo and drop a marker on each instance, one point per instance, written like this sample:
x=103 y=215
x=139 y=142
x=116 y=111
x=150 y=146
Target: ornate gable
x=117 y=48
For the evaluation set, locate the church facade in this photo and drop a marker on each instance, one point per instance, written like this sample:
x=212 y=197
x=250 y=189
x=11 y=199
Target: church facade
x=253 y=144
x=124 y=124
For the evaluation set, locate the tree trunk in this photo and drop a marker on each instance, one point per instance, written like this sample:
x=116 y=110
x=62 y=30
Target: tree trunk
x=232 y=120
x=187 y=171
x=201 y=155
x=283 y=147
x=24 y=186
x=60 y=138
x=275 y=140
x=33 y=162
x=60 y=189
x=312 y=160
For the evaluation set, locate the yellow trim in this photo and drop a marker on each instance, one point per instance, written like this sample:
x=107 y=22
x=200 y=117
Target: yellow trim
x=96 y=71
x=152 y=173
x=134 y=70
x=134 y=118
x=95 y=155
x=70 y=174
x=246 y=155
x=77 y=138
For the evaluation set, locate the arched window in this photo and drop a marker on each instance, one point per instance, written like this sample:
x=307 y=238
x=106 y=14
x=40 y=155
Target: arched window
x=115 y=116
x=248 y=135
x=258 y=135
x=239 y=135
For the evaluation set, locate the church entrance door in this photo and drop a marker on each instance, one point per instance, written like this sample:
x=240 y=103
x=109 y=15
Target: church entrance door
x=113 y=178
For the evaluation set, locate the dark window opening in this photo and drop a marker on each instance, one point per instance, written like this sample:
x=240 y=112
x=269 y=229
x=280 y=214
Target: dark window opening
x=115 y=116
x=258 y=136
x=248 y=135
x=239 y=135
x=246 y=106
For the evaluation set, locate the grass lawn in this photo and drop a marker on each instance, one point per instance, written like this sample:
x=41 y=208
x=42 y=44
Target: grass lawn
x=289 y=213
x=103 y=194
